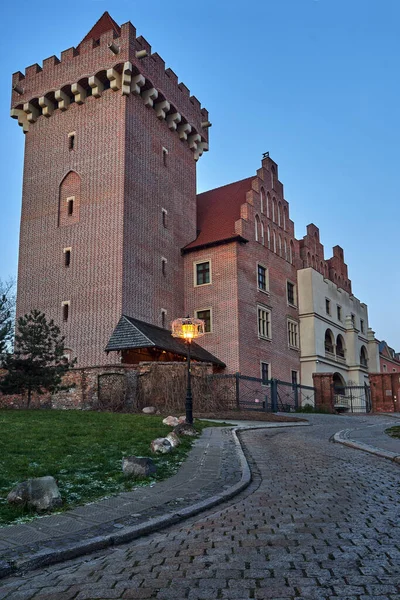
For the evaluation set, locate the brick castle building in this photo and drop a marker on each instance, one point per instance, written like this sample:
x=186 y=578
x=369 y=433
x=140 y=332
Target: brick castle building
x=111 y=225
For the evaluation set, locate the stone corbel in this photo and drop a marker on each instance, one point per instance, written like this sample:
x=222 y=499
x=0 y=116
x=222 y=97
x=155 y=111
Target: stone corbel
x=137 y=82
x=149 y=96
x=205 y=124
x=63 y=99
x=202 y=147
x=47 y=106
x=193 y=141
x=96 y=85
x=184 y=130
x=173 y=121
x=115 y=79
x=31 y=111
x=162 y=108
x=19 y=114
x=79 y=92
x=127 y=78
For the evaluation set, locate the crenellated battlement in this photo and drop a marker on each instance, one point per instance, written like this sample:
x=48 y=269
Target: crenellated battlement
x=110 y=57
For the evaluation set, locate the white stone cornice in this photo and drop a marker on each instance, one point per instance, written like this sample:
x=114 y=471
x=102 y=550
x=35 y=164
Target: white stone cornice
x=79 y=92
x=162 y=108
x=193 y=141
x=127 y=78
x=115 y=79
x=19 y=114
x=47 y=106
x=31 y=111
x=149 y=96
x=173 y=120
x=96 y=85
x=184 y=130
x=138 y=82
x=63 y=99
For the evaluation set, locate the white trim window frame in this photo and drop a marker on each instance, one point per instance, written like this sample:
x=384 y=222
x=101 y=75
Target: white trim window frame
x=202 y=310
x=262 y=276
x=294 y=303
x=195 y=272
x=293 y=334
x=264 y=327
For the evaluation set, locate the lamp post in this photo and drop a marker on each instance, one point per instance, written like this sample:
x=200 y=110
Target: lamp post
x=188 y=329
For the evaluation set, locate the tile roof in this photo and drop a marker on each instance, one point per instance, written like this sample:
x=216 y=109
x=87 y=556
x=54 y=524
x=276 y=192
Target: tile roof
x=217 y=211
x=105 y=23
x=131 y=333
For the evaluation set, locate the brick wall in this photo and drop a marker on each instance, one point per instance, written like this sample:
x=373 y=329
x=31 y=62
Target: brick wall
x=323 y=383
x=385 y=392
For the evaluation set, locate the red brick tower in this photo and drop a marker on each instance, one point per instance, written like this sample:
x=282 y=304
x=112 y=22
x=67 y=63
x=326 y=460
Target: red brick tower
x=109 y=194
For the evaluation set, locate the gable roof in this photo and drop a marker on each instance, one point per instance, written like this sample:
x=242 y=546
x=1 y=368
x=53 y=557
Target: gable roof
x=105 y=23
x=217 y=211
x=386 y=350
x=131 y=333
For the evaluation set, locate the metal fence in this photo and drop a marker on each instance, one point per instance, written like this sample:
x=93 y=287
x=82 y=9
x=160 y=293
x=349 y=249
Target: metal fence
x=352 y=398
x=241 y=392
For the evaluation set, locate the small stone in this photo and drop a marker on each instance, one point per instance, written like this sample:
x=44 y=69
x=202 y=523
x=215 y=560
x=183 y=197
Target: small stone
x=182 y=419
x=138 y=466
x=161 y=446
x=173 y=439
x=149 y=410
x=186 y=429
x=39 y=493
x=171 y=421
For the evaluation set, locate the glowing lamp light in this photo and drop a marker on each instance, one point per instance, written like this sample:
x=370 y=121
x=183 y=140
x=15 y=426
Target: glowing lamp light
x=187 y=328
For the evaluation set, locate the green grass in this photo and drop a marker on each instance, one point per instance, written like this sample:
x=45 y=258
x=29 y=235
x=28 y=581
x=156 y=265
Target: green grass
x=394 y=432
x=81 y=450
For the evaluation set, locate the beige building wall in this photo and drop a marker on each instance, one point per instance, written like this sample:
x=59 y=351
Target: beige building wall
x=323 y=306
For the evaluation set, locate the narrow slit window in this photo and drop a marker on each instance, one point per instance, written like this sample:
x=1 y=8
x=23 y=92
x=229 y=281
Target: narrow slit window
x=71 y=141
x=164 y=266
x=164 y=217
x=163 y=318
x=70 y=206
x=165 y=154
x=67 y=257
x=65 y=311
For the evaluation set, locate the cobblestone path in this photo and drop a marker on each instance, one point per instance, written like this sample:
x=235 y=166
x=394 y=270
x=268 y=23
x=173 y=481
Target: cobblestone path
x=321 y=521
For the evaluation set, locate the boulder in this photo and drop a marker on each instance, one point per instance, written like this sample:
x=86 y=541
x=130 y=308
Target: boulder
x=161 y=446
x=173 y=439
x=138 y=466
x=185 y=429
x=149 y=410
x=40 y=493
x=171 y=421
x=182 y=419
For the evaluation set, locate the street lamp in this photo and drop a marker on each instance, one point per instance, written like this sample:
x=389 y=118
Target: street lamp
x=188 y=329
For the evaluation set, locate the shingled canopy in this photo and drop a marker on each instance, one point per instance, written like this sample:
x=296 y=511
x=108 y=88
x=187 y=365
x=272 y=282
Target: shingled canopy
x=140 y=341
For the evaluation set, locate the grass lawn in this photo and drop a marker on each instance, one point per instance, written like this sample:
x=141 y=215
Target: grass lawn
x=82 y=450
x=394 y=432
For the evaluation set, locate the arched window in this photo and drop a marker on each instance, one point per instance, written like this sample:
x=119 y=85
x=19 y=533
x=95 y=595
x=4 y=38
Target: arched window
x=363 y=357
x=280 y=245
x=313 y=261
x=262 y=200
x=274 y=210
x=384 y=368
x=257 y=228
x=69 y=199
x=262 y=233
x=291 y=255
x=268 y=202
x=274 y=241
x=308 y=259
x=268 y=237
x=279 y=214
x=321 y=267
x=284 y=217
x=285 y=249
x=329 y=342
x=340 y=347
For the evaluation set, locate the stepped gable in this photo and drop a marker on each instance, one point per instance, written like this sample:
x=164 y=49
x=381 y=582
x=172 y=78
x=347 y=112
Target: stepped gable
x=104 y=24
x=217 y=212
x=37 y=92
x=338 y=270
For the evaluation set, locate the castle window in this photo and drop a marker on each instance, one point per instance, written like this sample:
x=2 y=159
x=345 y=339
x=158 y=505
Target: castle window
x=165 y=154
x=262 y=200
x=164 y=217
x=205 y=315
x=264 y=323
x=163 y=317
x=67 y=257
x=293 y=337
x=327 y=306
x=291 y=293
x=363 y=357
x=71 y=140
x=264 y=372
x=362 y=326
x=70 y=206
x=339 y=312
x=65 y=311
x=164 y=266
x=202 y=274
x=262 y=278
x=384 y=368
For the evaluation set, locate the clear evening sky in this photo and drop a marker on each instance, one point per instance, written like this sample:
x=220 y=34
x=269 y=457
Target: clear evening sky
x=314 y=82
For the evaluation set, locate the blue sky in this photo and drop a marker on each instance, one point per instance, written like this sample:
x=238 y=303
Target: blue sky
x=314 y=82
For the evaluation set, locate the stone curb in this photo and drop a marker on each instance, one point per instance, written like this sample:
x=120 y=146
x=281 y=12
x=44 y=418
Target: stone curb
x=341 y=437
